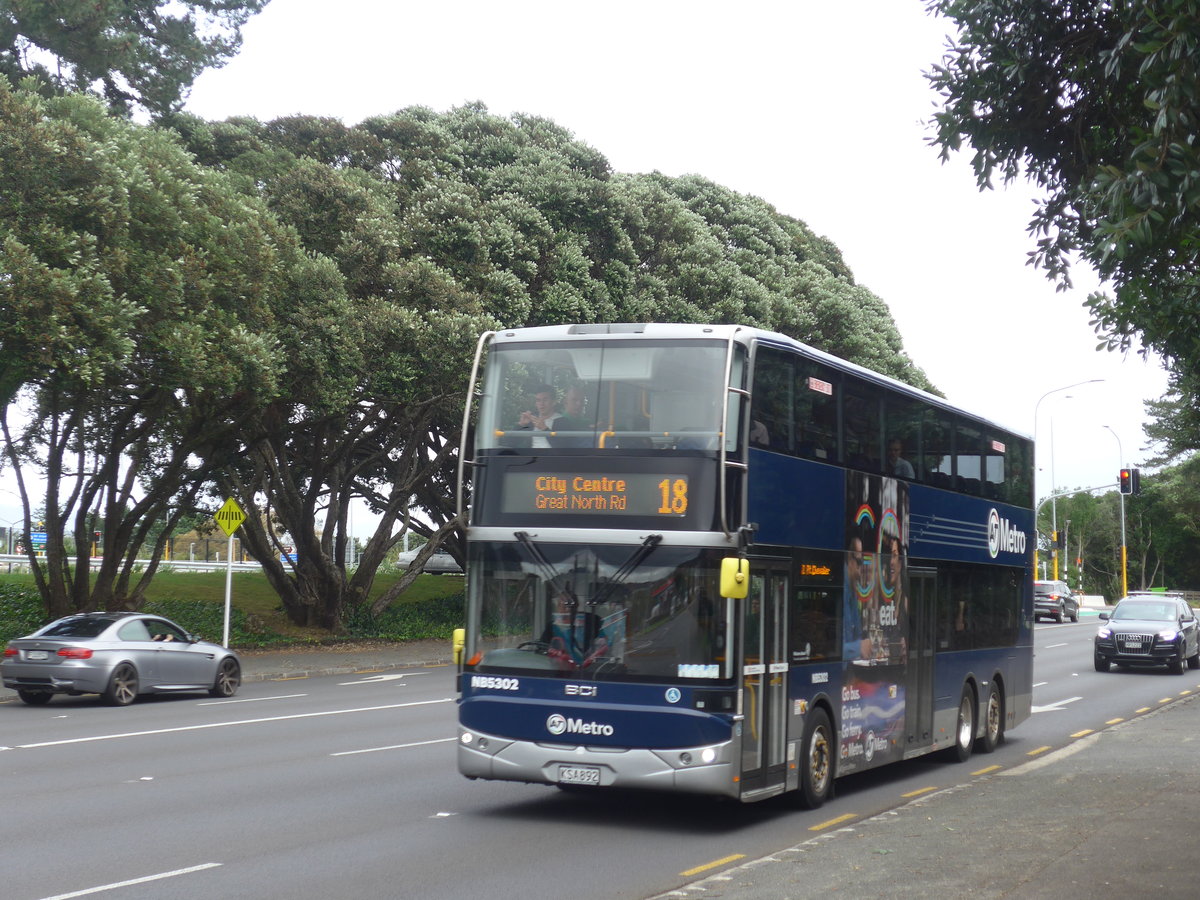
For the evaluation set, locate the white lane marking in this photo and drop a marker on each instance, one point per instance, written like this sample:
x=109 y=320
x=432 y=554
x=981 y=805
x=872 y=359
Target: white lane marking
x=143 y=880
x=394 y=747
x=1040 y=683
x=250 y=699
x=376 y=679
x=1055 y=706
x=1053 y=646
x=182 y=728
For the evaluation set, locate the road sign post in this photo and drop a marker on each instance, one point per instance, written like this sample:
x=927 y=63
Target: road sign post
x=229 y=517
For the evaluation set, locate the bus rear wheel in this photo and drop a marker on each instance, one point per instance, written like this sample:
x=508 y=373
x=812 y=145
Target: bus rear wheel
x=993 y=720
x=817 y=760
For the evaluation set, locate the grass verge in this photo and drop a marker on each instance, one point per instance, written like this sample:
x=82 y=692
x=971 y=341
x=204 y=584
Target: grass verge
x=431 y=608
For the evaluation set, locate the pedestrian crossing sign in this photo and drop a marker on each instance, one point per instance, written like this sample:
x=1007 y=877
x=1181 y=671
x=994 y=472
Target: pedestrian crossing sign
x=230 y=516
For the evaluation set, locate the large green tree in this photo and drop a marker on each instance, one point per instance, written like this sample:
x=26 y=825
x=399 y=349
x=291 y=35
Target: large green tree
x=1096 y=102
x=138 y=299
x=441 y=225
x=134 y=53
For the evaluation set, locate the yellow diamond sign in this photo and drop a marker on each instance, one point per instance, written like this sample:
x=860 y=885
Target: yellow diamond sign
x=230 y=516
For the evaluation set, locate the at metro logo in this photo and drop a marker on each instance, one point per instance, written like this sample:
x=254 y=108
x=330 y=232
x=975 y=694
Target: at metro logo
x=1002 y=536
x=558 y=724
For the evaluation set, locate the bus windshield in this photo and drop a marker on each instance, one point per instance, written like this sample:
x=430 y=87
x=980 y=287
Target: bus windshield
x=599 y=611
x=606 y=394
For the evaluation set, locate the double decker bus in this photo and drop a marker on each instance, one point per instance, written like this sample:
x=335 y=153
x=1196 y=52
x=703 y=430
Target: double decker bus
x=712 y=559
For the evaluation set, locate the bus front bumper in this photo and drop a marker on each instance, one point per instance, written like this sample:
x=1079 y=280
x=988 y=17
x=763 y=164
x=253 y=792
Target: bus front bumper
x=694 y=770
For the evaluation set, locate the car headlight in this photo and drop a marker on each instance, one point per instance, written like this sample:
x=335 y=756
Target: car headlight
x=1104 y=633
x=1168 y=634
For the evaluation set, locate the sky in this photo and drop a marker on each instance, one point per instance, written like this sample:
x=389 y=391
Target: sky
x=819 y=108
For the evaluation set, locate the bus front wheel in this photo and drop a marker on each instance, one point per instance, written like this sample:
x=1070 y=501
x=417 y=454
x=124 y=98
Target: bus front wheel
x=964 y=727
x=817 y=761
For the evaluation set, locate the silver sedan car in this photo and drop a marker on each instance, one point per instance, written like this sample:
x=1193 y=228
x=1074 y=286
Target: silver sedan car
x=118 y=655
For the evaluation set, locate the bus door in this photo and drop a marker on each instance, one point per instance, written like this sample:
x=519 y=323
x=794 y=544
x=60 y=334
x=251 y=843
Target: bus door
x=922 y=637
x=764 y=681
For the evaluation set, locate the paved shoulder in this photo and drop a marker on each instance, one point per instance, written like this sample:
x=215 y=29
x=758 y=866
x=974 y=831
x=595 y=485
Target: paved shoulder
x=1113 y=815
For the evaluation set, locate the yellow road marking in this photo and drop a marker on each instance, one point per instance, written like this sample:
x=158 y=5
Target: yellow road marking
x=919 y=792
x=1143 y=709
x=838 y=821
x=714 y=864
x=1039 y=750
x=1083 y=733
x=1166 y=699
x=1113 y=721
x=988 y=769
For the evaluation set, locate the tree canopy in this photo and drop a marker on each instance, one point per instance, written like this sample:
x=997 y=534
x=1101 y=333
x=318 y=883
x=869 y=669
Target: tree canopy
x=285 y=312
x=1097 y=104
x=135 y=54
x=138 y=295
x=441 y=225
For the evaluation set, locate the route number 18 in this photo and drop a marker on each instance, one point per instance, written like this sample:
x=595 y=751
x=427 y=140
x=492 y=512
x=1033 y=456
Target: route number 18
x=673 y=493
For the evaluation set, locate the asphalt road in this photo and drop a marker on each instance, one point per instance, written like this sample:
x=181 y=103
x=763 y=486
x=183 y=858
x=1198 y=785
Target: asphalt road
x=337 y=786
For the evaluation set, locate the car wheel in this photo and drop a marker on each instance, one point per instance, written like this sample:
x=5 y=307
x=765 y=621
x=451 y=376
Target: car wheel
x=35 y=698
x=1059 y=616
x=229 y=678
x=1101 y=663
x=1176 y=665
x=1075 y=615
x=993 y=721
x=964 y=730
x=816 y=763
x=122 y=686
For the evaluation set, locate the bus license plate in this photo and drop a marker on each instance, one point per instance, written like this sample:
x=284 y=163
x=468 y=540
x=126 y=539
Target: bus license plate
x=578 y=775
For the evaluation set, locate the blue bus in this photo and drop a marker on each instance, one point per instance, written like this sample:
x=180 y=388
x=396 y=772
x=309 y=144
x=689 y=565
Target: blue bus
x=712 y=559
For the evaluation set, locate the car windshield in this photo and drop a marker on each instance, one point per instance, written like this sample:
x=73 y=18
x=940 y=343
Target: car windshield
x=1152 y=610
x=76 y=628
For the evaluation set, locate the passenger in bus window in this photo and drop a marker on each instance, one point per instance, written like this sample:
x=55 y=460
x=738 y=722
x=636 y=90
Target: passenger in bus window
x=897 y=465
x=572 y=418
x=542 y=416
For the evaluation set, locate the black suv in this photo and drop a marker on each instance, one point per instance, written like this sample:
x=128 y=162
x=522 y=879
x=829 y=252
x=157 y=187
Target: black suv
x=1149 y=630
x=1054 y=600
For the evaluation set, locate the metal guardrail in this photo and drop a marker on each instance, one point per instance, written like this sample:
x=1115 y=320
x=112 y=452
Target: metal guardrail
x=15 y=562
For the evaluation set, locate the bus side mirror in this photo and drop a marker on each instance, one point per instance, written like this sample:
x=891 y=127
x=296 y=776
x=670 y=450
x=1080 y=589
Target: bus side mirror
x=458 y=641
x=735 y=577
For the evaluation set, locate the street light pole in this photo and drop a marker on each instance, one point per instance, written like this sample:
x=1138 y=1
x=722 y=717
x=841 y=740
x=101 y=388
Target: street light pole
x=1053 y=505
x=1124 y=551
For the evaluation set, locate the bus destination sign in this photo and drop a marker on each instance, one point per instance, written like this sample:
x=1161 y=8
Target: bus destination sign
x=625 y=494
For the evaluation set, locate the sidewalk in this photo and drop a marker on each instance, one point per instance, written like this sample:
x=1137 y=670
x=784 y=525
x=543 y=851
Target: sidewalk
x=270 y=665
x=1113 y=815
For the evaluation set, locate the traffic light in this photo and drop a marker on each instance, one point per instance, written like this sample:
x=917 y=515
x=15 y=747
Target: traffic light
x=1058 y=539
x=1131 y=481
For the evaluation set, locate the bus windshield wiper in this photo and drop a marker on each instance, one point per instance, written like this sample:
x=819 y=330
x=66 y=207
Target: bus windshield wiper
x=539 y=559
x=635 y=559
